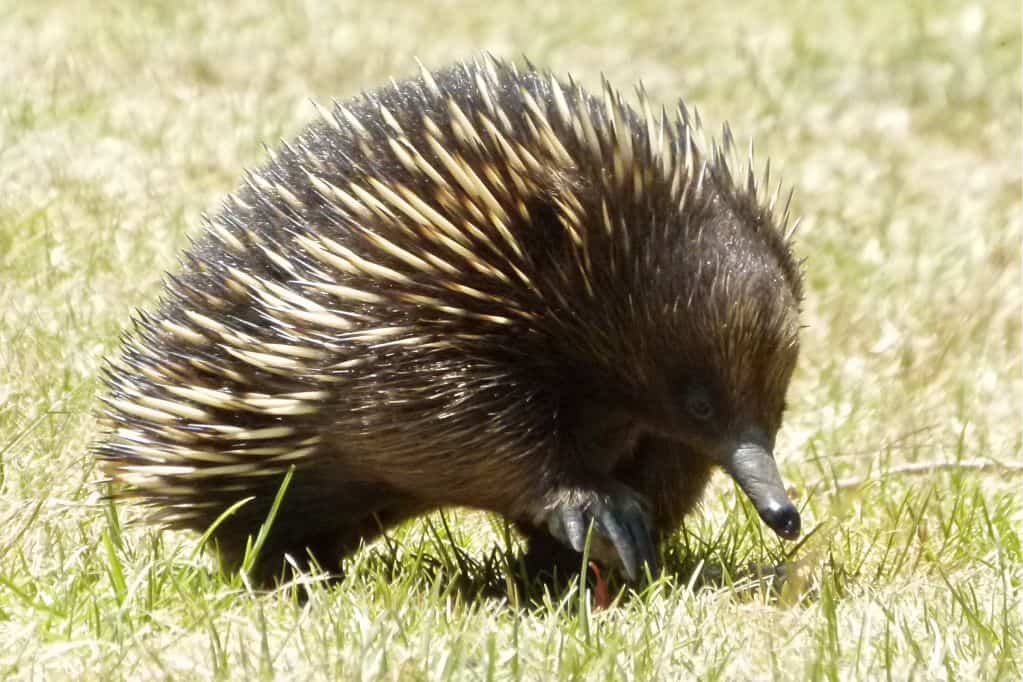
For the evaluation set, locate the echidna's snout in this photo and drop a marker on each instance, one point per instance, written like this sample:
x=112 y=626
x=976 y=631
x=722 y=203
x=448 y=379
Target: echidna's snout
x=753 y=467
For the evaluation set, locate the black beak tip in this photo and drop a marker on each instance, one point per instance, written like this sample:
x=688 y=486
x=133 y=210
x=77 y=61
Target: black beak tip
x=783 y=520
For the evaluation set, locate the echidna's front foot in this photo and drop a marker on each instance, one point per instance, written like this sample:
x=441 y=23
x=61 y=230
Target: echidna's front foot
x=621 y=528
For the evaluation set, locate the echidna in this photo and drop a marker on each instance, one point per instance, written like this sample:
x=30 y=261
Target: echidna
x=480 y=287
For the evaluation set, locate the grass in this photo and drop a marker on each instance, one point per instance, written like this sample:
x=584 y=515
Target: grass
x=898 y=124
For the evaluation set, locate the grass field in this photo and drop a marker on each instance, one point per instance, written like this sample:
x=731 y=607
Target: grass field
x=899 y=124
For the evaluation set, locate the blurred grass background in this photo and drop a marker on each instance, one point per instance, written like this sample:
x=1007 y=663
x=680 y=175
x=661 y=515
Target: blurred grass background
x=899 y=125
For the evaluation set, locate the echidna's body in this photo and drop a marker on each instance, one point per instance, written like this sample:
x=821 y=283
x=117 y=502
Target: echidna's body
x=480 y=288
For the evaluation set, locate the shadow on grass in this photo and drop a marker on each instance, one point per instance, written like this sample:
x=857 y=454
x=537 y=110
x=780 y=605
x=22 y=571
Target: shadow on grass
x=522 y=580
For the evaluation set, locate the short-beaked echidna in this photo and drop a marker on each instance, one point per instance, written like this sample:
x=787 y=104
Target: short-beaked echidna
x=480 y=287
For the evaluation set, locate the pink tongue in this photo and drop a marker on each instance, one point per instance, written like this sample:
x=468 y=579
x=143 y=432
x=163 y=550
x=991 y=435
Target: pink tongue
x=601 y=593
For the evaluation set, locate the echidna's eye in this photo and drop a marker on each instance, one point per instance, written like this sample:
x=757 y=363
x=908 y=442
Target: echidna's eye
x=699 y=406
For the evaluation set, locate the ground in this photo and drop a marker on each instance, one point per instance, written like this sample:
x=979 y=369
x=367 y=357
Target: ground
x=899 y=125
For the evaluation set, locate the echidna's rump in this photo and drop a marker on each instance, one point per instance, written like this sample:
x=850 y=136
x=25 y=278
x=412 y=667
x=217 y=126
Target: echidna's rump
x=480 y=287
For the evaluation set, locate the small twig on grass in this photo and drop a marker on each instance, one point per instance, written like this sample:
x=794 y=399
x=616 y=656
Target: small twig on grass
x=916 y=468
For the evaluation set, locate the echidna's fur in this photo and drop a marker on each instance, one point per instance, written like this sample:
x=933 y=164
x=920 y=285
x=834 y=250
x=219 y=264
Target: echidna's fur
x=480 y=287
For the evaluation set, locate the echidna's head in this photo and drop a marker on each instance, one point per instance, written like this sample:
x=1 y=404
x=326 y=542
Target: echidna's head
x=726 y=356
x=687 y=330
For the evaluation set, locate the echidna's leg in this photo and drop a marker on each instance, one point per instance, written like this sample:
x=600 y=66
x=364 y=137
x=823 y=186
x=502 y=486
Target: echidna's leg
x=631 y=504
x=332 y=543
x=620 y=522
x=584 y=488
x=320 y=518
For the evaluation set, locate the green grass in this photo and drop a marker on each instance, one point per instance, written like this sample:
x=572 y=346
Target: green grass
x=898 y=124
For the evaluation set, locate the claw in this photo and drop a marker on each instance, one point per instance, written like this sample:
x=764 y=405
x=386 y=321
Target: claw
x=621 y=529
x=622 y=541
x=575 y=528
x=640 y=532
